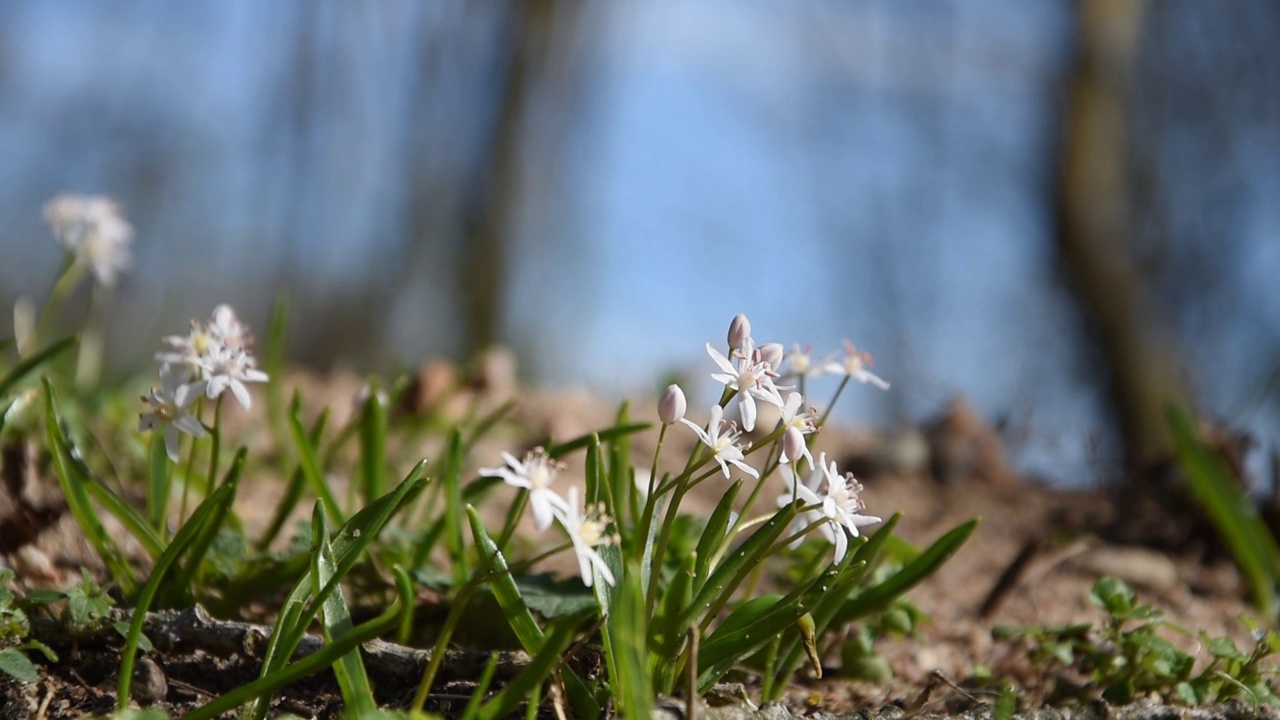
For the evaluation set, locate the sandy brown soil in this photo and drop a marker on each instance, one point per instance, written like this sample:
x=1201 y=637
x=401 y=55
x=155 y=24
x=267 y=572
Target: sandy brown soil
x=1032 y=560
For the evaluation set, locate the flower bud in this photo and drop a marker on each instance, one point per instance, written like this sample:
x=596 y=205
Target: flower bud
x=739 y=331
x=672 y=405
x=772 y=353
x=793 y=446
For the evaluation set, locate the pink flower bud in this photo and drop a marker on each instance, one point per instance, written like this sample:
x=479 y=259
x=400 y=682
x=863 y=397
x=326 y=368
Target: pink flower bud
x=672 y=405
x=739 y=331
x=793 y=446
x=772 y=353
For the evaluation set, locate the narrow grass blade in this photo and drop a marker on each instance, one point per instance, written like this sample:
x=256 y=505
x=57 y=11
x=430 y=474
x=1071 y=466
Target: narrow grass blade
x=73 y=488
x=596 y=490
x=605 y=435
x=293 y=491
x=715 y=535
x=24 y=367
x=357 y=695
x=158 y=483
x=526 y=629
x=862 y=561
x=627 y=630
x=132 y=520
x=373 y=442
x=210 y=510
x=549 y=657
x=309 y=462
x=348 y=546
x=454 y=509
x=321 y=659
x=273 y=364
x=472 y=710
x=877 y=598
x=204 y=540
x=1236 y=518
x=725 y=579
x=665 y=636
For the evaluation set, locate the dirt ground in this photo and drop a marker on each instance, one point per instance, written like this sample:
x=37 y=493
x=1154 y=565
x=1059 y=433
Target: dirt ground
x=1032 y=560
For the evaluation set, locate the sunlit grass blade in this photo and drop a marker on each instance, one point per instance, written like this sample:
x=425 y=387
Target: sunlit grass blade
x=627 y=629
x=158 y=484
x=357 y=695
x=309 y=462
x=373 y=442
x=1236 y=518
x=78 y=498
x=878 y=597
x=606 y=435
x=472 y=710
x=19 y=371
x=293 y=491
x=862 y=561
x=665 y=631
x=715 y=535
x=273 y=364
x=549 y=657
x=454 y=509
x=715 y=593
x=522 y=623
x=352 y=539
x=128 y=516
x=211 y=510
x=326 y=656
x=193 y=560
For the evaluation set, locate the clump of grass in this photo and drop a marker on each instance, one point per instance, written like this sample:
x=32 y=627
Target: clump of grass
x=671 y=601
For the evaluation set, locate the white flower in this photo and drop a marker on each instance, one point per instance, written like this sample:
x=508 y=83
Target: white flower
x=217 y=354
x=723 y=441
x=838 y=505
x=586 y=531
x=535 y=474
x=93 y=229
x=169 y=408
x=800 y=362
x=855 y=364
x=802 y=423
x=227 y=367
x=752 y=377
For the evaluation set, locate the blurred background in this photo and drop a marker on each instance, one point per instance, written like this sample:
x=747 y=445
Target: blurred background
x=1065 y=211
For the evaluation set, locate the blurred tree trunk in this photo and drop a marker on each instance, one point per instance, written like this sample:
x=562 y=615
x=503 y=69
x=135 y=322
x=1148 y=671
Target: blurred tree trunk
x=1095 y=223
x=489 y=209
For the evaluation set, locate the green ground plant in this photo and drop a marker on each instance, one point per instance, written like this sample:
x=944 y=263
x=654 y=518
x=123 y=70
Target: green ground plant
x=1129 y=656
x=672 y=602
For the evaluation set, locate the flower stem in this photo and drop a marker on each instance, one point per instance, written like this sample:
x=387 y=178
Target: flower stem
x=830 y=406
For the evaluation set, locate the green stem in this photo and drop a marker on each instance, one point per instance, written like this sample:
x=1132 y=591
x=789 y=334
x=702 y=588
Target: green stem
x=830 y=406
x=191 y=466
x=72 y=274
x=215 y=434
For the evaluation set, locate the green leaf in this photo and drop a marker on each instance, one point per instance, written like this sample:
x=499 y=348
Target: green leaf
x=350 y=543
x=357 y=695
x=20 y=370
x=666 y=633
x=715 y=534
x=293 y=491
x=549 y=657
x=1235 y=516
x=605 y=435
x=122 y=627
x=373 y=442
x=315 y=662
x=15 y=664
x=880 y=596
x=213 y=507
x=309 y=462
x=73 y=488
x=554 y=599
x=133 y=521
x=158 y=483
x=715 y=593
x=1114 y=596
x=204 y=538
x=454 y=507
x=626 y=629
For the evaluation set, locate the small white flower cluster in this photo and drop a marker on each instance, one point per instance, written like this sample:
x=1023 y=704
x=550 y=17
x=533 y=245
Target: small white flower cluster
x=211 y=358
x=751 y=372
x=94 y=231
x=586 y=526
